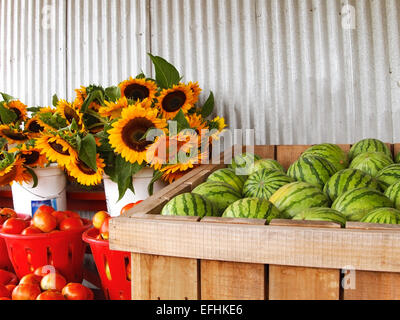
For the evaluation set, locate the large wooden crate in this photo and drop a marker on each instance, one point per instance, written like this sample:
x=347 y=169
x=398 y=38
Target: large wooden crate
x=178 y=258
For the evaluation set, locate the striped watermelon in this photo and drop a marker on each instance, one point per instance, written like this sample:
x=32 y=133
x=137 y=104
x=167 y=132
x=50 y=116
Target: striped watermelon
x=245 y=160
x=383 y=215
x=228 y=176
x=393 y=193
x=312 y=169
x=219 y=193
x=321 y=214
x=264 y=183
x=371 y=162
x=356 y=203
x=269 y=164
x=252 y=208
x=388 y=176
x=294 y=197
x=332 y=153
x=189 y=204
x=369 y=145
x=348 y=179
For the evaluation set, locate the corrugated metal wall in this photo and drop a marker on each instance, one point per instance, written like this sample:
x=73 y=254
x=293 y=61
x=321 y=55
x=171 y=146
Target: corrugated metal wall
x=298 y=71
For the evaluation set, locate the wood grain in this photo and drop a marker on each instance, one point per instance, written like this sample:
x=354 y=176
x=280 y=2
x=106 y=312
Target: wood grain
x=299 y=283
x=286 y=155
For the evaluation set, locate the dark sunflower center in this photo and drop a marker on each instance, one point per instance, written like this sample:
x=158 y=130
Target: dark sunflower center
x=85 y=169
x=136 y=92
x=35 y=127
x=133 y=132
x=58 y=148
x=14 y=135
x=70 y=115
x=174 y=101
x=17 y=112
x=31 y=158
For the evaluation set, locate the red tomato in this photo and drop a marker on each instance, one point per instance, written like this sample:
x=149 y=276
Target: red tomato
x=53 y=281
x=4 y=293
x=30 y=230
x=50 y=295
x=31 y=278
x=60 y=216
x=44 y=221
x=26 y=292
x=71 y=224
x=14 y=226
x=98 y=218
x=10 y=288
x=104 y=229
x=7 y=278
x=44 y=208
x=8 y=213
x=72 y=214
x=129 y=206
x=75 y=291
x=45 y=270
x=5 y=298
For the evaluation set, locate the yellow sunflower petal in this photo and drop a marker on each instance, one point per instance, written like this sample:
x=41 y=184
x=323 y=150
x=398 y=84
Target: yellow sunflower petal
x=85 y=175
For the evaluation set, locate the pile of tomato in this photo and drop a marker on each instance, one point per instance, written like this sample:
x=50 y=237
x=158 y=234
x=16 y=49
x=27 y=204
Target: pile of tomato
x=45 y=283
x=45 y=220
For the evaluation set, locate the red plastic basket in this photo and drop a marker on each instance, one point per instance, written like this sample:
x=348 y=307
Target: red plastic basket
x=116 y=285
x=64 y=250
x=5 y=262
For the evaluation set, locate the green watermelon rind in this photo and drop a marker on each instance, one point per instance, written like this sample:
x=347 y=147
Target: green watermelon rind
x=331 y=152
x=382 y=216
x=369 y=145
x=227 y=175
x=189 y=204
x=371 y=162
x=322 y=214
x=388 y=176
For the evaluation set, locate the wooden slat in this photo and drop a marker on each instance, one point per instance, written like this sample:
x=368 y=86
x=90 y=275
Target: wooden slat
x=396 y=149
x=299 y=283
x=369 y=285
x=286 y=155
x=265 y=152
x=221 y=280
x=279 y=245
x=304 y=223
x=345 y=147
x=164 y=278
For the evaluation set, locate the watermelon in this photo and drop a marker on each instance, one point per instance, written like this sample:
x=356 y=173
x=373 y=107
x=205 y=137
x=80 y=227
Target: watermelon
x=356 y=203
x=228 y=176
x=219 y=193
x=371 y=162
x=294 y=197
x=269 y=164
x=393 y=193
x=312 y=169
x=383 y=215
x=321 y=214
x=348 y=179
x=189 y=204
x=264 y=183
x=331 y=152
x=245 y=161
x=369 y=145
x=388 y=176
x=252 y=208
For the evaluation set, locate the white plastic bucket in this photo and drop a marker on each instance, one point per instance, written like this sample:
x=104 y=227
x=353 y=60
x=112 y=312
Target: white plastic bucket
x=141 y=181
x=51 y=190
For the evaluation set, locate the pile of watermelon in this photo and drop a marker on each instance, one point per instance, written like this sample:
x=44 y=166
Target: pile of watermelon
x=324 y=184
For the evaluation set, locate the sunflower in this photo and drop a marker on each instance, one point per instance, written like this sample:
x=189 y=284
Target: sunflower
x=31 y=156
x=180 y=97
x=194 y=86
x=85 y=175
x=13 y=135
x=11 y=171
x=173 y=176
x=19 y=109
x=81 y=95
x=138 y=89
x=70 y=112
x=217 y=126
x=197 y=123
x=113 y=109
x=127 y=135
x=56 y=149
x=33 y=127
x=44 y=118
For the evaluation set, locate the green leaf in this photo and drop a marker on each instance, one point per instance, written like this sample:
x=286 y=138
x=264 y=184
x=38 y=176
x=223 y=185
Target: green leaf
x=55 y=100
x=182 y=122
x=113 y=93
x=92 y=96
x=7 y=98
x=34 y=109
x=125 y=170
x=7 y=116
x=34 y=176
x=156 y=176
x=141 y=76
x=166 y=74
x=208 y=107
x=87 y=152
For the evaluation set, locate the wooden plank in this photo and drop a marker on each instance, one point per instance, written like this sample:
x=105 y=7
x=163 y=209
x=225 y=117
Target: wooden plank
x=304 y=223
x=222 y=280
x=345 y=147
x=246 y=221
x=164 y=278
x=396 y=149
x=265 y=152
x=369 y=285
x=286 y=155
x=279 y=245
x=299 y=283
